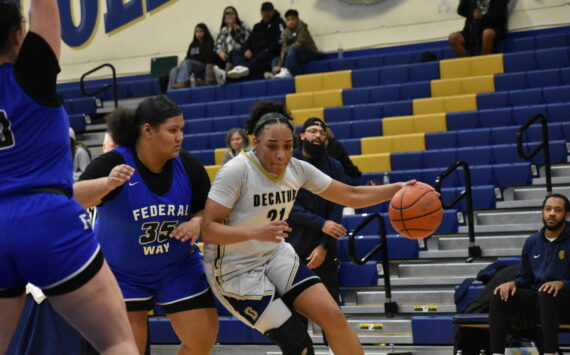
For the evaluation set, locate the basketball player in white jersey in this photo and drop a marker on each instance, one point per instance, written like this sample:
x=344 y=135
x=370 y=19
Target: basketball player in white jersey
x=252 y=271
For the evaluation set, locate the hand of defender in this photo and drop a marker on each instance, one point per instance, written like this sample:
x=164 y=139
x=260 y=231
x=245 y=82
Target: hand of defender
x=334 y=229
x=273 y=231
x=506 y=290
x=552 y=287
x=119 y=175
x=187 y=231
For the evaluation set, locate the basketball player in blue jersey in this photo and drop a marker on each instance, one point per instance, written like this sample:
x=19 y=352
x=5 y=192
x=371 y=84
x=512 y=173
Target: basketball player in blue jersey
x=150 y=196
x=45 y=237
x=252 y=271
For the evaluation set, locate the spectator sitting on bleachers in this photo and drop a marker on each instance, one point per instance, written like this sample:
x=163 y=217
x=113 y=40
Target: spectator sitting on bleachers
x=485 y=25
x=298 y=47
x=540 y=291
x=198 y=53
x=335 y=149
x=81 y=155
x=236 y=140
x=233 y=34
x=262 y=45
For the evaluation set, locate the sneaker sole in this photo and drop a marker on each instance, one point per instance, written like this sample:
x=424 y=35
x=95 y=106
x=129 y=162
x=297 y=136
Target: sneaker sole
x=237 y=75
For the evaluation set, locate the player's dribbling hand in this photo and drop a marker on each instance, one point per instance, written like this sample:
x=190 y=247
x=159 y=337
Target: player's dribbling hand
x=506 y=290
x=273 y=231
x=187 y=231
x=119 y=175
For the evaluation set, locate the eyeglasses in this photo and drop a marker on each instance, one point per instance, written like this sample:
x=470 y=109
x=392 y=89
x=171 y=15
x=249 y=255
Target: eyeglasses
x=316 y=131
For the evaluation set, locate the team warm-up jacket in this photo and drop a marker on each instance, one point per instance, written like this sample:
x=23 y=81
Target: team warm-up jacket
x=543 y=261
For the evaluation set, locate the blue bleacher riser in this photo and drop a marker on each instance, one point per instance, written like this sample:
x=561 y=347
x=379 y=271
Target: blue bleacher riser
x=233 y=91
x=432 y=330
x=448 y=225
x=85 y=106
x=206 y=157
x=398 y=247
x=509 y=260
x=483 y=197
x=471 y=293
x=351 y=275
x=77 y=122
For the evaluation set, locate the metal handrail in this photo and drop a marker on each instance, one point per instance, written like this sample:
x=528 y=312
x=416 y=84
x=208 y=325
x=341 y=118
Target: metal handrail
x=543 y=144
x=474 y=251
x=105 y=87
x=390 y=308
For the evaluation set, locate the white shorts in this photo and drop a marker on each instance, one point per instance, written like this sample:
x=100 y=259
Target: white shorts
x=247 y=295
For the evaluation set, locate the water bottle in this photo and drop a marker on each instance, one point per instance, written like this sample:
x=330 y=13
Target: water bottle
x=192 y=80
x=385 y=178
x=340 y=51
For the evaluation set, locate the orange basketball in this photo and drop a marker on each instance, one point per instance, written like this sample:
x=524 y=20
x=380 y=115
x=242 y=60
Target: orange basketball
x=416 y=211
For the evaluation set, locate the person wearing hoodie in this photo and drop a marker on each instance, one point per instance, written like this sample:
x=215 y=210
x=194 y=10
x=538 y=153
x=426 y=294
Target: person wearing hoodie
x=540 y=291
x=262 y=45
x=298 y=47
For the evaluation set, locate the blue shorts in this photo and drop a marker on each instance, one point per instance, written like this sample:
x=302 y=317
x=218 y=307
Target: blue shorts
x=45 y=239
x=179 y=288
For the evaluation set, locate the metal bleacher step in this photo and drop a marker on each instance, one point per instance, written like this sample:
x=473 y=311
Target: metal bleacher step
x=560 y=174
x=109 y=105
x=433 y=273
x=505 y=221
x=373 y=330
x=528 y=196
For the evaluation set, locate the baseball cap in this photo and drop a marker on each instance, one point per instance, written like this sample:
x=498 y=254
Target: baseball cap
x=314 y=121
x=267 y=6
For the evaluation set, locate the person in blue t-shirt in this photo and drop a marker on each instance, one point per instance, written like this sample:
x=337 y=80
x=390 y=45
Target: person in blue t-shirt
x=150 y=195
x=45 y=235
x=540 y=291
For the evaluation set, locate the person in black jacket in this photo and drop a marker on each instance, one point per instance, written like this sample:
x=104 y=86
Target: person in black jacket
x=540 y=290
x=262 y=45
x=315 y=222
x=200 y=49
x=335 y=149
x=485 y=25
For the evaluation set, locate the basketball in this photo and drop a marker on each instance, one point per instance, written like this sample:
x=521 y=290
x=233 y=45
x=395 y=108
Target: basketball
x=416 y=211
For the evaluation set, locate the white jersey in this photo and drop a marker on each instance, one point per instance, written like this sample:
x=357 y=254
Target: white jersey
x=254 y=197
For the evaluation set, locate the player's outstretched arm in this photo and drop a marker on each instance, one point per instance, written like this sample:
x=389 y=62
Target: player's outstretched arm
x=361 y=196
x=214 y=231
x=44 y=21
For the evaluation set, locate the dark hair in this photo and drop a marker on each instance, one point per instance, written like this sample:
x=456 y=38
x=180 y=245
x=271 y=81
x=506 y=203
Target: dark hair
x=292 y=12
x=124 y=123
x=10 y=22
x=241 y=132
x=560 y=196
x=262 y=108
x=238 y=21
x=207 y=35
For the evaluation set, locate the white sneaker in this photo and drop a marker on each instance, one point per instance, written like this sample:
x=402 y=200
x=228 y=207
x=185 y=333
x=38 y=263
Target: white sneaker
x=283 y=73
x=268 y=75
x=220 y=75
x=238 y=72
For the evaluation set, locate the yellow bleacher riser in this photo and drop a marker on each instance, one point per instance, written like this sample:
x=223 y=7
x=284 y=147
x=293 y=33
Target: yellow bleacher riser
x=460 y=86
x=393 y=144
x=434 y=122
x=472 y=66
x=327 y=98
x=300 y=116
x=212 y=170
x=445 y=104
x=371 y=163
x=323 y=81
x=219 y=155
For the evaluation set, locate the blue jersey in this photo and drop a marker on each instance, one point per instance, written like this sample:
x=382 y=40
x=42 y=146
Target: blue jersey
x=134 y=228
x=35 y=150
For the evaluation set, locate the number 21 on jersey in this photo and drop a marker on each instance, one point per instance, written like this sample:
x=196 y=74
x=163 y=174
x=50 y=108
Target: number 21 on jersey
x=6 y=136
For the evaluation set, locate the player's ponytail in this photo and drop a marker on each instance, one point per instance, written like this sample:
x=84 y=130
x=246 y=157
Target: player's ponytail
x=124 y=123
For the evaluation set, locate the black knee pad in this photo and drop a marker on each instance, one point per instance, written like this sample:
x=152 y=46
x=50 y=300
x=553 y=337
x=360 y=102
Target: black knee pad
x=292 y=337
